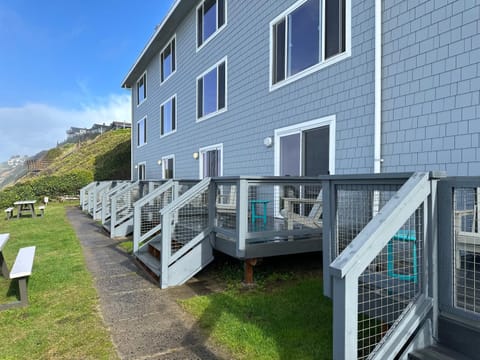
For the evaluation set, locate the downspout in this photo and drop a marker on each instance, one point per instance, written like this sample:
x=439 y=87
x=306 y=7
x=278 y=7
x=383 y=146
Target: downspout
x=377 y=140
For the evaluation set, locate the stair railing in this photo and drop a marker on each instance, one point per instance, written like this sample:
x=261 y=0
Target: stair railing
x=379 y=280
x=107 y=200
x=100 y=190
x=147 y=219
x=185 y=223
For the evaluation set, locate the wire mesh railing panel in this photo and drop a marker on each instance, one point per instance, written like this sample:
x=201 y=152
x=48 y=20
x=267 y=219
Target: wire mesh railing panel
x=226 y=205
x=466 y=249
x=390 y=285
x=284 y=206
x=150 y=212
x=189 y=221
x=355 y=206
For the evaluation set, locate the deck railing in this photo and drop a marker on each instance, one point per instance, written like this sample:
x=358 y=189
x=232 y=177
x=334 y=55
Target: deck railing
x=84 y=195
x=107 y=200
x=379 y=282
x=255 y=212
x=460 y=254
x=122 y=204
x=101 y=189
x=185 y=223
x=147 y=219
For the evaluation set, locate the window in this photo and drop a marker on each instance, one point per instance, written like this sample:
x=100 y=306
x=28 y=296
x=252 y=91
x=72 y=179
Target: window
x=168 y=171
x=167 y=61
x=142 y=89
x=168 y=115
x=141 y=171
x=211 y=161
x=142 y=132
x=301 y=40
x=211 y=17
x=211 y=91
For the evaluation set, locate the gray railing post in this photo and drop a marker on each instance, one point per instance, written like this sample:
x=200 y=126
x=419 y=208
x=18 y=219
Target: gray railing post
x=212 y=198
x=242 y=216
x=166 y=248
x=137 y=224
x=113 y=215
x=328 y=226
x=345 y=310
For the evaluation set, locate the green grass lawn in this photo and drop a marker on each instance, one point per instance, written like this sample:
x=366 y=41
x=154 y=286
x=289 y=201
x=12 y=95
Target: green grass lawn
x=62 y=320
x=284 y=317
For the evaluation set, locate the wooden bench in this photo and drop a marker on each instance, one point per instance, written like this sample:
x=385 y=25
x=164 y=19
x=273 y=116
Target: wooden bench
x=42 y=210
x=21 y=270
x=3 y=241
x=8 y=213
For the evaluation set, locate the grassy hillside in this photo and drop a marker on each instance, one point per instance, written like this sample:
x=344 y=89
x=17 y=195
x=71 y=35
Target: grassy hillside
x=107 y=156
x=72 y=166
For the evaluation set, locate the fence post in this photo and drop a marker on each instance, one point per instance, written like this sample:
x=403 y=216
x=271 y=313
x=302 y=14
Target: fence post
x=328 y=224
x=166 y=248
x=137 y=224
x=242 y=216
x=345 y=312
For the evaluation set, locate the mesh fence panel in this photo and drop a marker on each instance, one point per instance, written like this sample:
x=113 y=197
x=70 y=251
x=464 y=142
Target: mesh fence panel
x=390 y=284
x=356 y=205
x=466 y=249
x=150 y=212
x=189 y=221
x=226 y=205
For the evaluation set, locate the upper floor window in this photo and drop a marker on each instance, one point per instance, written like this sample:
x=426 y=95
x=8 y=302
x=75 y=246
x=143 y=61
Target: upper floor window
x=168 y=115
x=142 y=89
x=142 y=132
x=212 y=91
x=211 y=17
x=301 y=40
x=167 y=60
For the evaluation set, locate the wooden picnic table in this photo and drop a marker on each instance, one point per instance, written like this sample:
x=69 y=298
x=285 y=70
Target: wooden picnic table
x=25 y=206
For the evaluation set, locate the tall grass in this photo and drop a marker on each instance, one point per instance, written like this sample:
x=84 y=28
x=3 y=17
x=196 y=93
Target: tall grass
x=62 y=320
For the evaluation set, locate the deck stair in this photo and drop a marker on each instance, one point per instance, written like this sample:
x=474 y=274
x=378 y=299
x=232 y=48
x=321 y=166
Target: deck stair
x=179 y=245
x=436 y=352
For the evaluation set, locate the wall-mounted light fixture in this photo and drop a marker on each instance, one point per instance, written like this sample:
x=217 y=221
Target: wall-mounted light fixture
x=159 y=162
x=195 y=155
x=136 y=166
x=268 y=141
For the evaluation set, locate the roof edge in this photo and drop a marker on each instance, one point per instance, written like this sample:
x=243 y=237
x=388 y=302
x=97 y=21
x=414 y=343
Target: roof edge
x=152 y=39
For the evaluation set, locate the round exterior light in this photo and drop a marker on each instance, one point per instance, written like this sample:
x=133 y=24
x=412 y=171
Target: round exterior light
x=268 y=141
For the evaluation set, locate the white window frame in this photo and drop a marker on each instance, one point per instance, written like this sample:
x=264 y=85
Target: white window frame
x=139 y=165
x=145 y=132
x=205 y=149
x=174 y=58
x=219 y=29
x=301 y=127
x=164 y=159
x=174 y=111
x=225 y=108
x=144 y=75
x=323 y=63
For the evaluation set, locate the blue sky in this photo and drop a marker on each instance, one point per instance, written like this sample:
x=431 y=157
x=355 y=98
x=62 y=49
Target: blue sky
x=62 y=63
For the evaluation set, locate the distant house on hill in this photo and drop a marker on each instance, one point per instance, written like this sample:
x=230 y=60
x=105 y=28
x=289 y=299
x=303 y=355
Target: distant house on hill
x=75 y=133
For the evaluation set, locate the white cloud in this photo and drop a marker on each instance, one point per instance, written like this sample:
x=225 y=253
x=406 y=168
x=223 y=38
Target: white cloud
x=32 y=128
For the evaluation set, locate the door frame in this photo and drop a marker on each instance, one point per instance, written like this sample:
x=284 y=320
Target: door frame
x=329 y=121
x=206 y=149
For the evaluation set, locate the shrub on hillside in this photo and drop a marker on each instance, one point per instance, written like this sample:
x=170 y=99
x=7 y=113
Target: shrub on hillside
x=51 y=186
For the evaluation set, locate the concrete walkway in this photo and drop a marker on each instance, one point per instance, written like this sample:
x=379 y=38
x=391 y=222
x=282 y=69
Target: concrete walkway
x=144 y=321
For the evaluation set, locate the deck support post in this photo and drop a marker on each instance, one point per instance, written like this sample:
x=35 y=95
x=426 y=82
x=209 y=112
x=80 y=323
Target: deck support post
x=249 y=264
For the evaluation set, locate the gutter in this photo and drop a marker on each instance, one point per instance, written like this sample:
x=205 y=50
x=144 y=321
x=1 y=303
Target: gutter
x=377 y=139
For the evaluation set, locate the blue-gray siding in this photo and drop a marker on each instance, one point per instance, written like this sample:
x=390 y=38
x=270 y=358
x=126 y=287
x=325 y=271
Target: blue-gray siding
x=430 y=92
x=431 y=83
